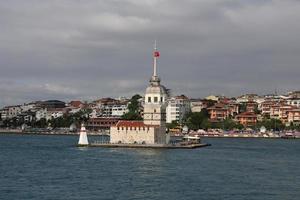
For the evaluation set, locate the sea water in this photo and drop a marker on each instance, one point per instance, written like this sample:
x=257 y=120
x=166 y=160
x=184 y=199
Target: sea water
x=52 y=167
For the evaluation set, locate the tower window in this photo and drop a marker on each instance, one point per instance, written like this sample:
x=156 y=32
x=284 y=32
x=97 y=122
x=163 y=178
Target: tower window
x=161 y=99
x=149 y=99
x=155 y=99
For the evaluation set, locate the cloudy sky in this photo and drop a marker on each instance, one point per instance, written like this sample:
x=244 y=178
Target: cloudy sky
x=78 y=49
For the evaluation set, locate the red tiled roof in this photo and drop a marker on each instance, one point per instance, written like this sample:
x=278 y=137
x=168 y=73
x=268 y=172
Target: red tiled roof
x=76 y=103
x=124 y=123
x=247 y=114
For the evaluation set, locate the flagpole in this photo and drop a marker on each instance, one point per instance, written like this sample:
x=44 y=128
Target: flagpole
x=154 y=60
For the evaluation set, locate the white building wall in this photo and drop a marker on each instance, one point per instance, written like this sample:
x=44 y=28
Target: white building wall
x=294 y=102
x=27 y=107
x=42 y=113
x=13 y=111
x=177 y=109
x=131 y=135
x=119 y=110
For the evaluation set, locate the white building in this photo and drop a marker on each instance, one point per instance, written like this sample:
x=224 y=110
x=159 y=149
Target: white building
x=28 y=106
x=13 y=111
x=4 y=113
x=107 y=107
x=55 y=113
x=177 y=108
x=118 y=110
x=153 y=129
x=294 y=102
x=41 y=113
x=196 y=105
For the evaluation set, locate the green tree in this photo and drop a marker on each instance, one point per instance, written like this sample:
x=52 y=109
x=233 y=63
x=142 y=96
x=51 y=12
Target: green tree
x=194 y=119
x=42 y=123
x=271 y=124
x=133 y=109
x=174 y=124
x=206 y=124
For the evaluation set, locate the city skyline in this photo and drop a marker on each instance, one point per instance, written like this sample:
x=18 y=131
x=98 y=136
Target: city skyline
x=73 y=50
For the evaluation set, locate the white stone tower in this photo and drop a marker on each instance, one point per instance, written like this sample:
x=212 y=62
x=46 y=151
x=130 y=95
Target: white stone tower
x=155 y=101
x=83 y=140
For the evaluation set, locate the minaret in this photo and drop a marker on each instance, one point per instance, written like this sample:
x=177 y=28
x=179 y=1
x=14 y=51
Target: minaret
x=83 y=140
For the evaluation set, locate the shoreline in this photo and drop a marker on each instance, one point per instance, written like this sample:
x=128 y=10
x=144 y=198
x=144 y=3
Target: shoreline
x=147 y=146
x=19 y=132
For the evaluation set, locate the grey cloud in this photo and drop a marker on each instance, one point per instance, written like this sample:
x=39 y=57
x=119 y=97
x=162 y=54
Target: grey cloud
x=89 y=49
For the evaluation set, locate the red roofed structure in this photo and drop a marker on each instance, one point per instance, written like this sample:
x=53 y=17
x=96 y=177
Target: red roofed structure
x=247 y=118
x=76 y=104
x=136 y=124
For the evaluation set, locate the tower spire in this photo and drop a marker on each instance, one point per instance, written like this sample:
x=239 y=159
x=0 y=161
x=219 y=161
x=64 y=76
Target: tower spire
x=154 y=79
x=155 y=56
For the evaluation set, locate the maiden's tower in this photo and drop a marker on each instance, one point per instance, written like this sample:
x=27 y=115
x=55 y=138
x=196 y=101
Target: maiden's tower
x=152 y=130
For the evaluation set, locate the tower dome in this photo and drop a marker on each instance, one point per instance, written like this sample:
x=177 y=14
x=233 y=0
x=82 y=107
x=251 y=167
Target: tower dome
x=159 y=89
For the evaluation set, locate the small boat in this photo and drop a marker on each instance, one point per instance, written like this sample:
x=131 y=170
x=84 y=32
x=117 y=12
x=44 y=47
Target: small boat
x=288 y=135
x=193 y=139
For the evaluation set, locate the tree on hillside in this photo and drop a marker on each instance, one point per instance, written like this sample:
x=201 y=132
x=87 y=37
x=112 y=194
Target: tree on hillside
x=133 y=109
x=194 y=119
x=271 y=124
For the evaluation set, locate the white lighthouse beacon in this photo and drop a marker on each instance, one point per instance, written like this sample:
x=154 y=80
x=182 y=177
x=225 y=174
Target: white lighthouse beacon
x=83 y=140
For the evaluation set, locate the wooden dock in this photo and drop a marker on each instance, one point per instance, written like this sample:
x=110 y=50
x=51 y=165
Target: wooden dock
x=147 y=146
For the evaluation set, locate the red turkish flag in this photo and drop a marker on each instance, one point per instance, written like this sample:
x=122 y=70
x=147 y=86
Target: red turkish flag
x=156 y=54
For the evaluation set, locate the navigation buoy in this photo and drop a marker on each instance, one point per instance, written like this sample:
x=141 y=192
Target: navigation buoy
x=83 y=140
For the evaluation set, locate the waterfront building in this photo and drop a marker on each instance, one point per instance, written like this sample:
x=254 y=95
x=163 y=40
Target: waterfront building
x=101 y=123
x=233 y=107
x=294 y=102
x=283 y=112
x=218 y=112
x=247 y=118
x=265 y=106
x=177 y=108
x=41 y=114
x=13 y=111
x=251 y=106
x=196 y=105
x=152 y=130
x=294 y=116
x=109 y=107
x=4 y=113
x=55 y=113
